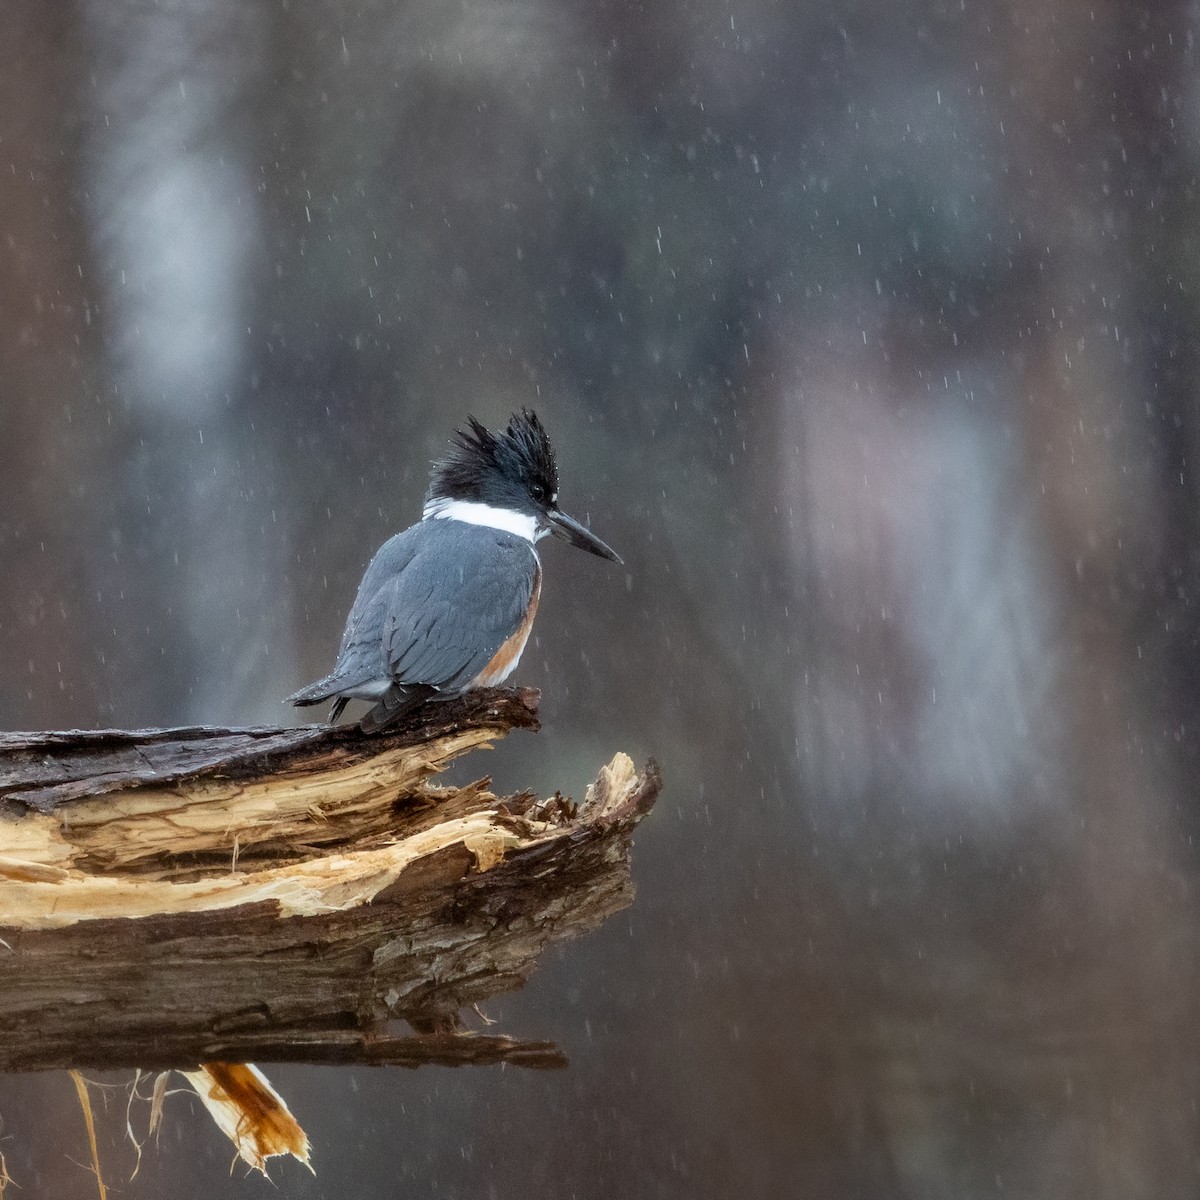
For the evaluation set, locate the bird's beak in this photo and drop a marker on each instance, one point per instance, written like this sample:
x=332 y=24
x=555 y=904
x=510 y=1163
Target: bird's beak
x=571 y=531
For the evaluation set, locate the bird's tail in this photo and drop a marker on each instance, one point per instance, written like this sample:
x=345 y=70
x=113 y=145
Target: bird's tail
x=314 y=693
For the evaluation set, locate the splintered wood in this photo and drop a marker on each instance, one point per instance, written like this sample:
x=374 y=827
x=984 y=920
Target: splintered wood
x=250 y=1113
x=177 y=897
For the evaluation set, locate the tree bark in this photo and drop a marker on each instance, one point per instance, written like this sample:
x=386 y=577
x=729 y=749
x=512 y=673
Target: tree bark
x=179 y=896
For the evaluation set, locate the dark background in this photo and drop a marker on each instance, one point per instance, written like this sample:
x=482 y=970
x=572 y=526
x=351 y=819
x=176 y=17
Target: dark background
x=866 y=332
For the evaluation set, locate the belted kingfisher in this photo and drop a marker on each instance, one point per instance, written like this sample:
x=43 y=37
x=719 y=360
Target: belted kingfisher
x=448 y=604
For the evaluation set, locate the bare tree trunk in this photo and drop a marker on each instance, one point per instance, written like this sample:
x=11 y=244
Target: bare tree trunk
x=173 y=897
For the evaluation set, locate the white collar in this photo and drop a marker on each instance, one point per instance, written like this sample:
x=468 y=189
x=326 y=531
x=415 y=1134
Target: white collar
x=473 y=513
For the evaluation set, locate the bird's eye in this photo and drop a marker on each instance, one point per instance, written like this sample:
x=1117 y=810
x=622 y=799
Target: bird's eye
x=538 y=492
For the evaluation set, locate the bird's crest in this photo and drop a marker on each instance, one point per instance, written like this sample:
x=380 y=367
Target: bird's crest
x=522 y=454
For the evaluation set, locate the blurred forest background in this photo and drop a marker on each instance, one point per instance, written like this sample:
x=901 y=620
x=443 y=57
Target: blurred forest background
x=867 y=334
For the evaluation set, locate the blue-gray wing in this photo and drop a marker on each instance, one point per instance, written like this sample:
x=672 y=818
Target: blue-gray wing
x=361 y=658
x=461 y=596
x=361 y=662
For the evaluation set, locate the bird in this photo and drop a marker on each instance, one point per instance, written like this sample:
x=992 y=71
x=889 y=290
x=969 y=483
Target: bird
x=447 y=605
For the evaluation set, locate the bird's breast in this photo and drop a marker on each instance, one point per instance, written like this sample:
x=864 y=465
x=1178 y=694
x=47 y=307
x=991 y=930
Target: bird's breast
x=505 y=660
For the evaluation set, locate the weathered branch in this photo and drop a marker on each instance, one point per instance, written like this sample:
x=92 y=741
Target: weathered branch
x=169 y=897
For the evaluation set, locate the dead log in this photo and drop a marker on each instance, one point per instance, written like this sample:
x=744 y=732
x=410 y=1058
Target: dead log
x=178 y=896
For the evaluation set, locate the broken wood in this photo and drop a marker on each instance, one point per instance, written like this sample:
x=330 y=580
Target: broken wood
x=174 y=897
